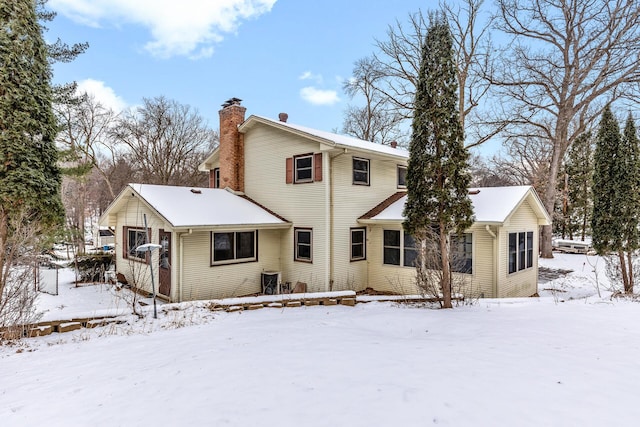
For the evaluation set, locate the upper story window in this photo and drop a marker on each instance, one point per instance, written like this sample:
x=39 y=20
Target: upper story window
x=304 y=168
x=402 y=176
x=520 y=251
x=234 y=246
x=360 y=171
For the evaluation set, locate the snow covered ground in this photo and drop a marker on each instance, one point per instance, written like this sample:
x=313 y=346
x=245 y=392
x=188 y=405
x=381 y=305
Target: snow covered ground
x=568 y=358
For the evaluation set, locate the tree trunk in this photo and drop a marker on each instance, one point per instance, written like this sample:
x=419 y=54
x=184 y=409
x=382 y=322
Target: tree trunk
x=623 y=269
x=629 y=289
x=446 y=273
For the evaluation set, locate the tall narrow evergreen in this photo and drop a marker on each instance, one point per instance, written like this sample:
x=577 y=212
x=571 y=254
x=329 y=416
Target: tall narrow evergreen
x=579 y=168
x=606 y=179
x=616 y=201
x=437 y=174
x=29 y=176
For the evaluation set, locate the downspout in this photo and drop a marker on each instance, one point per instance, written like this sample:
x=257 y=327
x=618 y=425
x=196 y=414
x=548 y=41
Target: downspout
x=495 y=260
x=328 y=222
x=330 y=217
x=181 y=263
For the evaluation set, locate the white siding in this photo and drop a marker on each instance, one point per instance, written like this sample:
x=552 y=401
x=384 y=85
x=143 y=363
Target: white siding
x=522 y=283
x=203 y=281
x=349 y=203
x=266 y=151
x=132 y=215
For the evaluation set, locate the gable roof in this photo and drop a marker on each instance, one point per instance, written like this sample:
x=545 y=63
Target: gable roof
x=323 y=137
x=198 y=207
x=329 y=138
x=491 y=205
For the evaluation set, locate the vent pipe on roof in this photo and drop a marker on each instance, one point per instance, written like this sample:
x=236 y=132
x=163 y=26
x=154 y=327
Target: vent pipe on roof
x=283 y=117
x=196 y=191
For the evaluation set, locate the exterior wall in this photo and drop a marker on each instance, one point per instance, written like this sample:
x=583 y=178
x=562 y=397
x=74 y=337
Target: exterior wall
x=200 y=280
x=132 y=215
x=350 y=202
x=305 y=205
x=522 y=283
x=387 y=278
x=401 y=280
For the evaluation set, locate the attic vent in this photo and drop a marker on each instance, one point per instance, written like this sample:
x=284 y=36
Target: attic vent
x=474 y=192
x=196 y=191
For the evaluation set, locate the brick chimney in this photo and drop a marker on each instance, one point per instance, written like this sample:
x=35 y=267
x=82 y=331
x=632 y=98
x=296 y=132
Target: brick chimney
x=231 y=145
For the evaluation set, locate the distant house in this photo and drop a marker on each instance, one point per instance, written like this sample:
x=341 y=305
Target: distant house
x=309 y=206
x=104 y=238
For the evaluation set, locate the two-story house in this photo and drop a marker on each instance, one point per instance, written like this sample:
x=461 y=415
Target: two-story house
x=315 y=207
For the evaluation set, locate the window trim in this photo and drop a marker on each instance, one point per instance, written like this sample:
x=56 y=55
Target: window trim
x=127 y=250
x=363 y=230
x=464 y=252
x=296 y=255
x=216 y=177
x=295 y=168
x=398 y=248
x=353 y=171
x=520 y=258
x=398 y=185
x=235 y=259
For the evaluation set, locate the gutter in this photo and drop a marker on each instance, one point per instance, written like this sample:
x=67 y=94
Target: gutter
x=495 y=259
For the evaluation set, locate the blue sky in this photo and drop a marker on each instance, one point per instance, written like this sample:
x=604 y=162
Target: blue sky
x=276 y=55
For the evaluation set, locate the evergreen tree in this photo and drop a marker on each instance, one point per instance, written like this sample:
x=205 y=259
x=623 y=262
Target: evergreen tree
x=437 y=174
x=29 y=175
x=616 y=201
x=579 y=168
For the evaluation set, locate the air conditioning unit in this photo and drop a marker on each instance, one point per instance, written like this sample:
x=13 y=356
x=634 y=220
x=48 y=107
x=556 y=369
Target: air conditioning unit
x=270 y=281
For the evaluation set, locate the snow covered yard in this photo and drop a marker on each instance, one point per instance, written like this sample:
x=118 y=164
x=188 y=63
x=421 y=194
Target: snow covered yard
x=568 y=358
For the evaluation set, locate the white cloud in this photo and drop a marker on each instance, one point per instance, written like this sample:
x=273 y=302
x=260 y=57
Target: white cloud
x=308 y=75
x=102 y=93
x=186 y=27
x=317 y=96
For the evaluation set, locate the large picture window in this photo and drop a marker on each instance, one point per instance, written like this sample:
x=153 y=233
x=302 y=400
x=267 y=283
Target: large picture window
x=358 y=244
x=234 y=246
x=520 y=251
x=402 y=249
x=303 y=244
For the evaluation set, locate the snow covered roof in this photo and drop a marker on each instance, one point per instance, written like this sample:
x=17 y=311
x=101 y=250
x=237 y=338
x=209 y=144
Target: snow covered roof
x=491 y=205
x=341 y=141
x=201 y=207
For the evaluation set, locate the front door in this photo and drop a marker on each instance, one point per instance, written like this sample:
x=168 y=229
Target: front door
x=165 y=263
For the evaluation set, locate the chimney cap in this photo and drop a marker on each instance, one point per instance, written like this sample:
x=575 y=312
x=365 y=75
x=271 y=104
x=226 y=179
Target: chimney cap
x=231 y=101
x=283 y=117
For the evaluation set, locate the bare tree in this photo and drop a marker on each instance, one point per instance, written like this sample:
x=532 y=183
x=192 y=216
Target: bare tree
x=396 y=63
x=565 y=60
x=165 y=142
x=86 y=134
x=376 y=121
x=17 y=282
